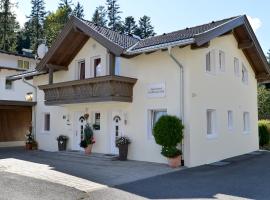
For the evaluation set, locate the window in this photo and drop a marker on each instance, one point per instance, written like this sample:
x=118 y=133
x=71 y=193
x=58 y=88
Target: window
x=117 y=66
x=98 y=69
x=81 y=69
x=97 y=121
x=154 y=116
x=210 y=62
x=20 y=63
x=236 y=67
x=230 y=120
x=211 y=122
x=221 y=61
x=8 y=85
x=47 y=122
x=246 y=127
x=26 y=64
x=244 y=74
x=23 y=64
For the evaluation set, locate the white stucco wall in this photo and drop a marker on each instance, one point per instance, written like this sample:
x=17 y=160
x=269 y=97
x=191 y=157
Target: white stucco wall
x=19 y=89
x=222 y=92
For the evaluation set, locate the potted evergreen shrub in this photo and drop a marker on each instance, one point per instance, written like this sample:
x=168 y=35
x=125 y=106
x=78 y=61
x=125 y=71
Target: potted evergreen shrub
x=29 y=139
x=168 y=132
x=122 y=144
x=88 y=141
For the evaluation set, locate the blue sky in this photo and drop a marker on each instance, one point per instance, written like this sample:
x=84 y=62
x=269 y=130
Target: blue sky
x=171 y=15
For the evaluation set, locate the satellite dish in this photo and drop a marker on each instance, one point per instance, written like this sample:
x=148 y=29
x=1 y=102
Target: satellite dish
x=42 y=50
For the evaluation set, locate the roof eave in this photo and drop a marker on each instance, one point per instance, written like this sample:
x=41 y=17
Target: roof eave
x=205 y=37
x=73 y=24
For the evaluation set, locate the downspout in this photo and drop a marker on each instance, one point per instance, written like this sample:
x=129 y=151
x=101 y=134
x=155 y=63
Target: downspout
x=181 y=88
x=34 y=107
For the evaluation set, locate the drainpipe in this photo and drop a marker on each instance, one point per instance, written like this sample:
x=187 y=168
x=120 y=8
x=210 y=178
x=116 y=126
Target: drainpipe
x=181 y=88
x=34 y=108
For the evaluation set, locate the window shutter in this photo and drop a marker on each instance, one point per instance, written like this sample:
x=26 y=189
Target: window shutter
x=222 y=61
x=213 y=60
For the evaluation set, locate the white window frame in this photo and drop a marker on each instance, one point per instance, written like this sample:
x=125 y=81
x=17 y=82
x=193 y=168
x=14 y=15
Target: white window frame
x=230 y=120
x=50 y=125
x=244 y=74
x=221 y=61
x=213 y=118
x=79 y=68
x=210 y=62
x=150 y=121
x=236 y=64
x=117 y=68
x=246 y=122
x=94 y=118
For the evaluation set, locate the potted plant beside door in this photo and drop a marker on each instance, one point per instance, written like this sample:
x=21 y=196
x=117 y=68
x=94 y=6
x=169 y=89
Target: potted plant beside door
x=88 y=141
x=168 y=132
x=122 y=144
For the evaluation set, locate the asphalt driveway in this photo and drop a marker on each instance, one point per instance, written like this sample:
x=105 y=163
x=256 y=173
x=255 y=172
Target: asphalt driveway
x=43 y=175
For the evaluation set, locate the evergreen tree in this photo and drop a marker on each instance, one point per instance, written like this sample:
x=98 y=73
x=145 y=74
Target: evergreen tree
x=99 y=16
x=145 y=28
x=36 y=22
x=78 y=11
x=8 y=26
x=114 y=15
x=129 y=25
x=23 y=41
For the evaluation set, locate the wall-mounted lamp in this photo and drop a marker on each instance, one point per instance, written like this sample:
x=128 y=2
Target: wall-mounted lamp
x=29 y=96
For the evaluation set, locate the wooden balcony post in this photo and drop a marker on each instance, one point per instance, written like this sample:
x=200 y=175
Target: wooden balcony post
x=111 y=64
x=50 y=76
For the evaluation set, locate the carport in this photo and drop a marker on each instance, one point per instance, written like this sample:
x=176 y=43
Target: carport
x=15 y=119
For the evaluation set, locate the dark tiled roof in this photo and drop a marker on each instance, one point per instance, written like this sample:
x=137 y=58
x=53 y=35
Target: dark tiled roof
x=122 y=40
x=183 y=34
x=17 y=54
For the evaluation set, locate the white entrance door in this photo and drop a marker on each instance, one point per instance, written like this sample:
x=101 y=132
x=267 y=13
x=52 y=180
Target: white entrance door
x=80 y=123
x=117 y=129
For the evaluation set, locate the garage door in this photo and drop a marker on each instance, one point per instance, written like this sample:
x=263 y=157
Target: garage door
x=14 y=123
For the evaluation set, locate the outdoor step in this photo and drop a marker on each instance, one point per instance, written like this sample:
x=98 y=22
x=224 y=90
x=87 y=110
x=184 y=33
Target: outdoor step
x=82 y=155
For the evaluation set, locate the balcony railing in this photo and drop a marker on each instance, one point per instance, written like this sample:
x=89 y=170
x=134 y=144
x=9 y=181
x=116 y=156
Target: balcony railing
x=99 y=89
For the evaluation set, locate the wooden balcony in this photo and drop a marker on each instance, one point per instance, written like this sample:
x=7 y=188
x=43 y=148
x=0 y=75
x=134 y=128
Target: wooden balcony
x=99 y=89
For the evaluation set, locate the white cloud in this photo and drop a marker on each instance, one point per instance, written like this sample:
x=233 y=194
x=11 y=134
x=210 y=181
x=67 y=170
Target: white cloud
x=255 y=22
x=20 y=15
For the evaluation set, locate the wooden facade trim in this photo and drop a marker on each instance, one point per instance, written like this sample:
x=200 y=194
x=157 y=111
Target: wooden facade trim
x=98 y=89
x=17 y=103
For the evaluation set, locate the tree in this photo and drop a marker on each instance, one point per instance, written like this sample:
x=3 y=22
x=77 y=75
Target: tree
x=263 y=102
x=145 y=28
x=8 y=26
x=66 y=9
x=129 y=25
x=36 y=22
x=99 y=16
x=114 y=17
x=78 y=11
x=53 y=24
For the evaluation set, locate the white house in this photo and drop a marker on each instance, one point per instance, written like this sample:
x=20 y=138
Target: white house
x=15 y=111
x=206 y=75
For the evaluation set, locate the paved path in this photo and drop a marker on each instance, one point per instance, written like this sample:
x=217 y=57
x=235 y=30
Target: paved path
x=47 y=176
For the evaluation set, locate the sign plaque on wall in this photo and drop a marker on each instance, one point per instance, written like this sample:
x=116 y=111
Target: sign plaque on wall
x=157 y=90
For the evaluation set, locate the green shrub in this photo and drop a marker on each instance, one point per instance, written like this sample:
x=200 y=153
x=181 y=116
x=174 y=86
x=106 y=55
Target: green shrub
x=263 y=135
x=265 y=122
x=168 y=132
x=170 y=152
